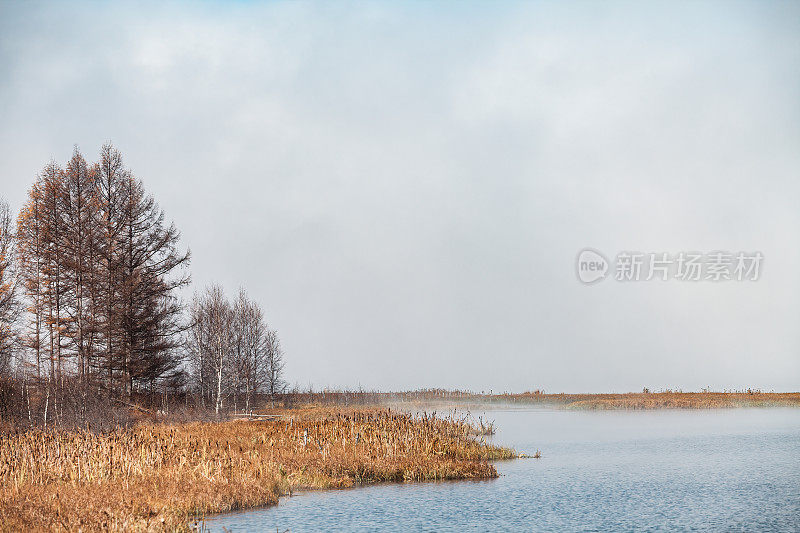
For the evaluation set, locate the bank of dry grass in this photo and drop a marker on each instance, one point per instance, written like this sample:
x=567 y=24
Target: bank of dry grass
x=159 y=477
x=633 y=400
x=675 y=400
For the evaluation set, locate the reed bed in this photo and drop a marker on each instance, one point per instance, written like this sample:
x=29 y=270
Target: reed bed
x=667 y=399
x=159 y=477
x=681 y=400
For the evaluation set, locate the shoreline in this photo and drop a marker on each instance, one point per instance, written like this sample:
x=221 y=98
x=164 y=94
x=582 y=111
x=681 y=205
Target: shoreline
x=157 y=476
x=578 y=401
x=165 y=477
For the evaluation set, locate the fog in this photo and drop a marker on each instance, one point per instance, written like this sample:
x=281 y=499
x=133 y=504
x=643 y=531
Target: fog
x=405 y=187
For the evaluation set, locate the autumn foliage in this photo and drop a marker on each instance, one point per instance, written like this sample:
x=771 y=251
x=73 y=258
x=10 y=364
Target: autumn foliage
x=98 y=268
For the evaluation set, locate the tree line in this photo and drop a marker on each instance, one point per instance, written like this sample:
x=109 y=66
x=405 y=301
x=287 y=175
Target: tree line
x=90 y=276
x=233 y=353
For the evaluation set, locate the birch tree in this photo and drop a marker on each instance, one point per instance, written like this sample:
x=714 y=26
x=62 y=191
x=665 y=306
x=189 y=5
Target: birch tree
x=8 y=290
x=274 y=365
x=211 y=344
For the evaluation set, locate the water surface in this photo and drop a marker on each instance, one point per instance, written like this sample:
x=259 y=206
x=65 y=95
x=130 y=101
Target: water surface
x=709 y=470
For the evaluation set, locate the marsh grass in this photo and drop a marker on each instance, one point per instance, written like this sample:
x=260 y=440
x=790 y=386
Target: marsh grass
x=680 y=400
x=160 y=477
x=667 y=399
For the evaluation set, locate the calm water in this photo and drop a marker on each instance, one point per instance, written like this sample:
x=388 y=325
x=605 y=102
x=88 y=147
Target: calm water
x=719 y=470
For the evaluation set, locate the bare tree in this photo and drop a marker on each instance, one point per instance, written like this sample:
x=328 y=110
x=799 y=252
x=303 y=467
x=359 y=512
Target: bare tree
x=109 y=182
x=252 y=337
x=8 y=290
x=150 y=272
x=199 y=348
x=211 y=344
x=31 y=259
x=274 y=365
x=41 y=247
x=81 y=235
x=99 y=269
x=233 y=352
x=56 y=288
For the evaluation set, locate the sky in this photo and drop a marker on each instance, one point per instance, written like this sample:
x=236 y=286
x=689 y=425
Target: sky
x=405 y=187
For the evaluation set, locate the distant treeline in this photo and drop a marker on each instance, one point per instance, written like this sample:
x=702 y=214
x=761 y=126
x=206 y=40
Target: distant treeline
x=89 y=307
x=665 y=399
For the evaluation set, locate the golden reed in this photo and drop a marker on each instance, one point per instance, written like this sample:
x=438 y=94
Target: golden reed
x=161 y=477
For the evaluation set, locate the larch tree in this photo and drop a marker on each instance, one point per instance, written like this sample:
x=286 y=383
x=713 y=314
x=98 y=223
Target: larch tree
x=53 y=272
x=99 y=270
x=30 y=242
x=150 y=272
x=80 y=239
x=109 y=182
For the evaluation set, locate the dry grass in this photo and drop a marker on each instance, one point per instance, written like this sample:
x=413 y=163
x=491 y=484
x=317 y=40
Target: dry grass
x=633 y=400
x=674 y=400
x=160 y=477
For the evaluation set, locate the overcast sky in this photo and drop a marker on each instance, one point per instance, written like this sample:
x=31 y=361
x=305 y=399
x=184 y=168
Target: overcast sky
x=405 y=187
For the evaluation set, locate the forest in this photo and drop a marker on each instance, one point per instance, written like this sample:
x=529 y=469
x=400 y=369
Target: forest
x=92 y=316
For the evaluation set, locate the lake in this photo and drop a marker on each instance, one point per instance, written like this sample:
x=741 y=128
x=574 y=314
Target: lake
x=668 y=470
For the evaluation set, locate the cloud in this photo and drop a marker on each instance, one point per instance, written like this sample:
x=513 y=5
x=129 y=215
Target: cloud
x=405 y=187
